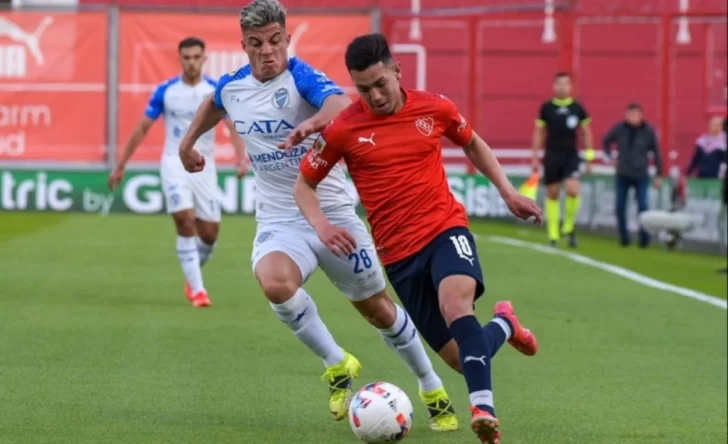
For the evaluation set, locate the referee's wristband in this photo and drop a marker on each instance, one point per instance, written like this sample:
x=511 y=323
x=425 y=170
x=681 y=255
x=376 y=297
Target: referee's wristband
x=589 y=155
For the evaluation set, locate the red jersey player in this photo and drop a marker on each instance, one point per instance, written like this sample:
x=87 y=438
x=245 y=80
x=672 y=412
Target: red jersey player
x=390 y=141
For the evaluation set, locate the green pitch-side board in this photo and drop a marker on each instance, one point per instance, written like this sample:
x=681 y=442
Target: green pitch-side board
x=141 y=193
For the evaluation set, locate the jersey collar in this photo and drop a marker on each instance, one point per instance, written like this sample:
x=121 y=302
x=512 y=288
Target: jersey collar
x=562 y=102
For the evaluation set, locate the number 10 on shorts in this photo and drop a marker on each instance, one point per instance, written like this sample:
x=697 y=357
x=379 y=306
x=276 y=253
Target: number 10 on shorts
x=462 y=247
x=360 y=259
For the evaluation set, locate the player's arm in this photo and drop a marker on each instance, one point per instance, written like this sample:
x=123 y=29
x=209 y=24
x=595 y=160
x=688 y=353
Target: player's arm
x=459 y=131
x=331 y=107
x=315 y=166
x=135 y=139
x=155 y=108
x=208 y=115
x=538 y=138
x=321 y=93
x=587 y=134
x=239 y=145
x=484 y=160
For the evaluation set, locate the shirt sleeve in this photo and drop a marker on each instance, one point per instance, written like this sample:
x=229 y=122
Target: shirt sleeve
x=326 y=152
x=584 y=117
x=220 y=84
x=457 y=128
x=313 y=85
x=542 y=119
x=155 y=107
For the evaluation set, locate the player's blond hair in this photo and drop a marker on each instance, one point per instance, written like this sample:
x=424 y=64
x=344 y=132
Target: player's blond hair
x=260 y=13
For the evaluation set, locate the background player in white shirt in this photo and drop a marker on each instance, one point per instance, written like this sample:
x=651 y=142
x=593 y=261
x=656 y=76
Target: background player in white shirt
x=192 y=199
x=278 y=105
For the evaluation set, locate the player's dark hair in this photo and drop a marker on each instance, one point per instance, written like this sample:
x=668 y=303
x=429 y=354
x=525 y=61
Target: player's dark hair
x=367 y=50
x=561 y=74
x=191 y=42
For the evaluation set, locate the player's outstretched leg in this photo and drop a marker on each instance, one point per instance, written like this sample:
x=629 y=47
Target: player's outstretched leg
x=518 y=336
x=400 y=334
x=504 y=326
x=477 y=345
x=189 y=258
x=280 y=279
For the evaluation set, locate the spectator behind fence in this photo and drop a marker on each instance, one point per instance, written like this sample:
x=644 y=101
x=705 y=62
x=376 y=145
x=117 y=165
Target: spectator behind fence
x=708 y=159
x=635 y=140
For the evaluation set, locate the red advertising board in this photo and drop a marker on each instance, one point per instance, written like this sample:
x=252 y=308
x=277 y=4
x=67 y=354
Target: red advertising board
x=149 y=56
x=53 y=86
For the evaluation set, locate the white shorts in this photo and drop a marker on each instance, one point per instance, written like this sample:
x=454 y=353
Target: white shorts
x=191 y=191
x=358 y=276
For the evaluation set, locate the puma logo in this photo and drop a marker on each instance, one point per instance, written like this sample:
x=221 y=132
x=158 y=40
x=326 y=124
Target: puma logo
x=368 y=140
x=480 y=359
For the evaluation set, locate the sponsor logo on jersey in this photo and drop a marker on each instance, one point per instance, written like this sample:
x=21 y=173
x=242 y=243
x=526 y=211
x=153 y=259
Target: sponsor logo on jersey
x=278 y=155
x=316 y=161
x=263 y=127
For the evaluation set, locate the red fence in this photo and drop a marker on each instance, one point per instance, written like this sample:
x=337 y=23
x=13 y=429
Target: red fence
x=491 y=60
x=602 y=7
x=53 y=75
x=496 y=67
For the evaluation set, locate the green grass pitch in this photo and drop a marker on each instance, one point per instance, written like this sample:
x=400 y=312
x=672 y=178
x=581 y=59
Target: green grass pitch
x=98 y=344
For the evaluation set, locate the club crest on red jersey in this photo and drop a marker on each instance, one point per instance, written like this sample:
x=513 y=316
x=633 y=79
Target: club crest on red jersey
x=425 y=126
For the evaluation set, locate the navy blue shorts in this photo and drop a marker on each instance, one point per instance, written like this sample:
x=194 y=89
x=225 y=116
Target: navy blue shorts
x=417 y=278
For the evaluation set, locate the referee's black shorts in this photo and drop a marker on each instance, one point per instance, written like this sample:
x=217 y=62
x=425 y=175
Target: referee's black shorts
x=560 y=165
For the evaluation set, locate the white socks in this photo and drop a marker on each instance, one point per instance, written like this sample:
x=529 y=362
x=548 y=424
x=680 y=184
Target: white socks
x=189 y=260
x=402 y=337
x=204 y=251
x=301 y=315
x=482 y=397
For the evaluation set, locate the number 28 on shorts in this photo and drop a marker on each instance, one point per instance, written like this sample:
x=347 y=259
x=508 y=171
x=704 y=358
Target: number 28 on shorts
x=360 y=261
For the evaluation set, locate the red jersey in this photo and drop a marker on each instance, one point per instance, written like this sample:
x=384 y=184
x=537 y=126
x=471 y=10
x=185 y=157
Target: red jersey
x=396 y=164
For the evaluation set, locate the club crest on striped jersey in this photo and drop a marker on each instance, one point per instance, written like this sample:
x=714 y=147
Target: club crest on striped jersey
x=425 y=126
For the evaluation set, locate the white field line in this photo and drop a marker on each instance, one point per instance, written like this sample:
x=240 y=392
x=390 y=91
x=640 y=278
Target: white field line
x=613 y=269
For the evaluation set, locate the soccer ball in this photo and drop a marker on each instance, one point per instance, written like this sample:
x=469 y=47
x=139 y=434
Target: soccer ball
x=380 y=412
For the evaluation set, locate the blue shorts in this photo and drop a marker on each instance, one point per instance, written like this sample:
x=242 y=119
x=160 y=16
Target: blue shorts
x=417 y=278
